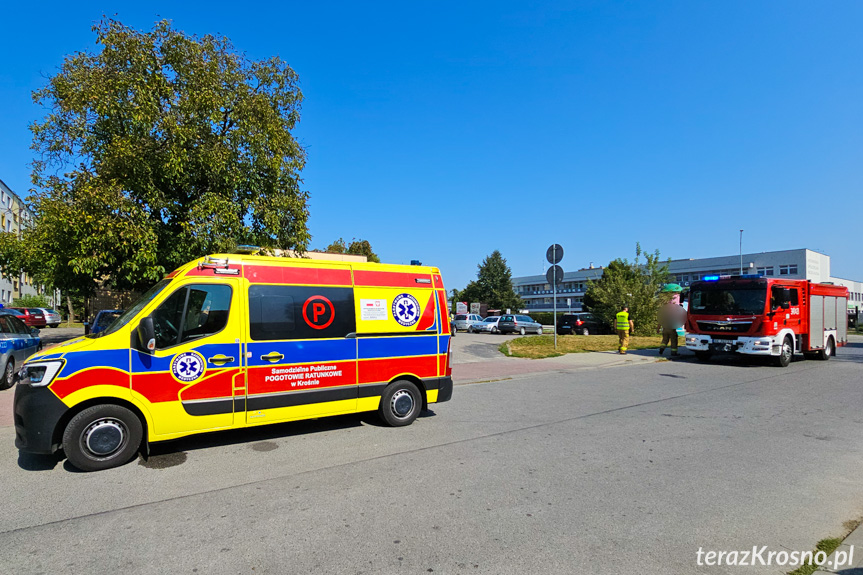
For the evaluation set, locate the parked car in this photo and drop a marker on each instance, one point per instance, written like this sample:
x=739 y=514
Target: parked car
x=52 y=316
x=580 y=324
x=29 y=315
x=488 y=325
x=103 y=319
x=17 y=343
x=463 y=321
x=519 y=324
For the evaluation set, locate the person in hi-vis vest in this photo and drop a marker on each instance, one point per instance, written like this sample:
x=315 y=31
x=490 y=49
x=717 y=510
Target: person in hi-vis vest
x=623 y=325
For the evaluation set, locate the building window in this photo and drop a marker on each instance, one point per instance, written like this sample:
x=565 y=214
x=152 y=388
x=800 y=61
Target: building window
x=788 y=270
x=767 y=271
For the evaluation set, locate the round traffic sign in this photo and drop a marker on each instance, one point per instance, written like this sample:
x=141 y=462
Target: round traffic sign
x=554 y=275
x=554 y=253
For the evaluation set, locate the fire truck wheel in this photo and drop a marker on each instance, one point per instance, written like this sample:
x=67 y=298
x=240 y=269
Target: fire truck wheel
x=101 y=437
x=784 y=358
x=703 y=356
x=400 y=404
x=829 y=349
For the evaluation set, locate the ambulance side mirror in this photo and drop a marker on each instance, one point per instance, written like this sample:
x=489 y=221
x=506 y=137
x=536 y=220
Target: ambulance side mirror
x=147 y=335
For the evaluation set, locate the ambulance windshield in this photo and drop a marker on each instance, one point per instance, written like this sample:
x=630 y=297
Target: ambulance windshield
x=132 y=311
x=718 y=300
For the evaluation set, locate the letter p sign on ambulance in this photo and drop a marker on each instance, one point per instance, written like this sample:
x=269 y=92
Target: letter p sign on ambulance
x=318 y=312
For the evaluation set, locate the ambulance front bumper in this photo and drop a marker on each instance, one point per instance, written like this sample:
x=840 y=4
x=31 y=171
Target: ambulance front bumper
x=758 y=345
x=37 y=412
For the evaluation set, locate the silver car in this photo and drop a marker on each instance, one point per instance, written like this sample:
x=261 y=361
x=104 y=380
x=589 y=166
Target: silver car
x=17 y=343
x=489 y=325
x=52 y=316
x=464 y=321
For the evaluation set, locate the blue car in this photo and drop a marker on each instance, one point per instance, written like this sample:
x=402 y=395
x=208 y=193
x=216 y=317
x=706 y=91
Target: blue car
x=17 y=343
x=103 y=319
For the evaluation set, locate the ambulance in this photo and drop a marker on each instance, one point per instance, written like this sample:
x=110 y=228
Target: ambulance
x=233 y=341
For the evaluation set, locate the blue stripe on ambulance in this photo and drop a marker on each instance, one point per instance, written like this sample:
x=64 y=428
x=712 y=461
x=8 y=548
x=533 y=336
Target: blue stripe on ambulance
x=303 y=351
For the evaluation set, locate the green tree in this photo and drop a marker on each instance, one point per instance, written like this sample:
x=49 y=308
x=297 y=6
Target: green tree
x=634 y=284
x=493 y=285
x=157 y=149
x=356 y=247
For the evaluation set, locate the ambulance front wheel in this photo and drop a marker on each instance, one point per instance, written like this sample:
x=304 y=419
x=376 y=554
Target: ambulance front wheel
x=101 y=437
x=400 y=404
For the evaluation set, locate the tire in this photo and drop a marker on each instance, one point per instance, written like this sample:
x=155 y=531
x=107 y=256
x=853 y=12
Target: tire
x=400 y=404
x=784 y=358
x=102 y=437
x=585 y=331
x=53 y=325
x=7 y=379
x=494 y=329
x=522 y=331
x=703 y=356
x=539 y=330
x=829 y=349
x=470 y=329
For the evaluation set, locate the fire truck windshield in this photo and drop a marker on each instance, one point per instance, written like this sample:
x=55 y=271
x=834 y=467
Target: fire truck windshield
x=721 y=301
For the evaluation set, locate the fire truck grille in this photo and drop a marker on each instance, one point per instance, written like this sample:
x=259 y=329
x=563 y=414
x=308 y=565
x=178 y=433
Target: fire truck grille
x=725 y=326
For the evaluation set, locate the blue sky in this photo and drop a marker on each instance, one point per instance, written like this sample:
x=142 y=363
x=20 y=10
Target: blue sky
x=444 y=131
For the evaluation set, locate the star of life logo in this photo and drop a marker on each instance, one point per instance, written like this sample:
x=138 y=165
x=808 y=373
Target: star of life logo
x=406 y=309
x=188 y=366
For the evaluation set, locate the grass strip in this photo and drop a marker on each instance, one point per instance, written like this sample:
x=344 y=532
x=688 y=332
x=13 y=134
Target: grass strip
x=542 y=346
x=828 y=546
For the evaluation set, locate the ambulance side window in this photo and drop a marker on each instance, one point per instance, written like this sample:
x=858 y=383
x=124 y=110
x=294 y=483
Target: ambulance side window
x=191 y=313
x=278 y=312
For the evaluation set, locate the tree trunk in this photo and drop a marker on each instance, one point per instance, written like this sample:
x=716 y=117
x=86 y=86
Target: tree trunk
x=71 y=309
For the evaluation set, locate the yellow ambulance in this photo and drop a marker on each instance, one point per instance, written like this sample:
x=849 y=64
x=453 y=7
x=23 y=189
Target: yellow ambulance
x=233 y=341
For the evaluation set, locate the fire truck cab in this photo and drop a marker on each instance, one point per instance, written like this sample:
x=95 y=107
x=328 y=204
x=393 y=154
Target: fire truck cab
x=753 y=315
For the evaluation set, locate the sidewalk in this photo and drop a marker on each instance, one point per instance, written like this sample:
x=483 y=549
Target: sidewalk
x=507 y=367
x=855 y=540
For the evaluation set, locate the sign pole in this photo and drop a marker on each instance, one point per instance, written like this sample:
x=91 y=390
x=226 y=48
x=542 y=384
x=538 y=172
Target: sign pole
x=555 y=297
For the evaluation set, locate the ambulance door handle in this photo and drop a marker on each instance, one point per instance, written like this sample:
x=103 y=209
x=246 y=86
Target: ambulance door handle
x=273 y=356
x=220 y=359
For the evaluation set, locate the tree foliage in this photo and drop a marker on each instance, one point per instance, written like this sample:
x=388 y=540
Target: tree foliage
x=157 y=149
x=29 y=300
x=356 y=247
x=634 y=284
x=493 y=285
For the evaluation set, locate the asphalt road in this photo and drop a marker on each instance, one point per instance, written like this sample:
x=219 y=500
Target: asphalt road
x=626 y=469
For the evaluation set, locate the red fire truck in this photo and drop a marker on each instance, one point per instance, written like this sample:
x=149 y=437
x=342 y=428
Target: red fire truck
x=774 y=317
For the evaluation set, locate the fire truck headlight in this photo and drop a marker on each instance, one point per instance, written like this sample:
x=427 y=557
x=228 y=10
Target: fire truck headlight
x=691 y=339
x=762 y=343
x=39 y=374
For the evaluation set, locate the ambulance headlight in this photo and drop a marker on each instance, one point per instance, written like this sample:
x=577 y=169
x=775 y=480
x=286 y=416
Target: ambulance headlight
x=39 y=374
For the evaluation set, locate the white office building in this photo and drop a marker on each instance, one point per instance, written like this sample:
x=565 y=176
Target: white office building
x=792 y=264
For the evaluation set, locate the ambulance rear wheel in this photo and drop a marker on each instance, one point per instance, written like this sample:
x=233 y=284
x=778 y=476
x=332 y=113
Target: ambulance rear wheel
x=101 y=437
x=828 y=350
x=400 y=404
x=784 y=358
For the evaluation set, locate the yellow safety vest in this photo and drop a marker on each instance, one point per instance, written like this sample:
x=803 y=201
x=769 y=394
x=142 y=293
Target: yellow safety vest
x=623 y=320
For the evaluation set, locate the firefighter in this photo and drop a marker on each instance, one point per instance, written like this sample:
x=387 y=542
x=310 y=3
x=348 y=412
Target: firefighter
x=623 y=325
x=671 y=317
